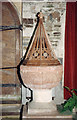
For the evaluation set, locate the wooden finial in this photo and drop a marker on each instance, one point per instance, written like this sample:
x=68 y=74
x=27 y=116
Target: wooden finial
x=40 y=15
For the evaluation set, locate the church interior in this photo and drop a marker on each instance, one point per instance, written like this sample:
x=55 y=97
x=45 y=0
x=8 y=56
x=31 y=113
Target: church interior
x=38 y=57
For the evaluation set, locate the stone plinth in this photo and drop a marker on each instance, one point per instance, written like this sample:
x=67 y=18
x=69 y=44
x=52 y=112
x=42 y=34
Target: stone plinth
x=43 y=108
x=42 y=102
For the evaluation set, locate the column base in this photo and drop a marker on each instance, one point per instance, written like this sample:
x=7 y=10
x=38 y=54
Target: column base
x=42 y=108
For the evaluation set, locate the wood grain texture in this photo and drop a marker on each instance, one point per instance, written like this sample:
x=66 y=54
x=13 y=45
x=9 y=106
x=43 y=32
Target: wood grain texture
x=40 y=52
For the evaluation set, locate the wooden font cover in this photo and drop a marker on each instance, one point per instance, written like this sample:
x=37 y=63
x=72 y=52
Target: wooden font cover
x=40 y=52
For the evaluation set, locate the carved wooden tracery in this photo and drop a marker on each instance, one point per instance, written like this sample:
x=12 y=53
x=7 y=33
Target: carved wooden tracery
x=40 y=52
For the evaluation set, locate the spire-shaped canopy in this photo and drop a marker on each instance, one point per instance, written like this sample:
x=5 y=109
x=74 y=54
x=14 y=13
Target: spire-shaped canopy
x=40 y=52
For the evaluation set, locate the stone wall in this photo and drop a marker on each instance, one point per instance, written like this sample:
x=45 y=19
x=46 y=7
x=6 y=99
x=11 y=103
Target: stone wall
x=18 y=7
x=54 y=23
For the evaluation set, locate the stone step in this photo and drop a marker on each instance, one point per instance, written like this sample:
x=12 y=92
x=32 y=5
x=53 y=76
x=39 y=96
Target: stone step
x=10 y=109
x=10 y=102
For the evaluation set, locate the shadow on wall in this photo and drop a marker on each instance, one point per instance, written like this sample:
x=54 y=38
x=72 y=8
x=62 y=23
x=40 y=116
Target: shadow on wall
x=21 y=62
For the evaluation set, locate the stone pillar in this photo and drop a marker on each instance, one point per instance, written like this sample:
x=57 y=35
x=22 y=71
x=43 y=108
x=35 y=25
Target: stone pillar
x=42 y=95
